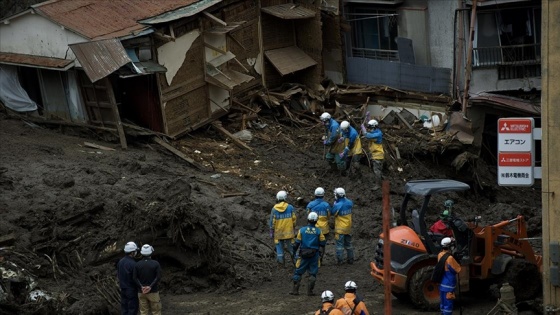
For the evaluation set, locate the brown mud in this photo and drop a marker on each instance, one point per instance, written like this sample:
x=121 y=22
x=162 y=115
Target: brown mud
x=71 y=209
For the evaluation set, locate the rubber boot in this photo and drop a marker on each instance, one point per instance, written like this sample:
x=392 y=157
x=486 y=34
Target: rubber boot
x=295 y=288
x=311 y=286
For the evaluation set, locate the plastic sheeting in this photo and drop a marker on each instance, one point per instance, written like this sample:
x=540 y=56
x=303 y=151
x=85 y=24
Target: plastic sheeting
x=12 y=93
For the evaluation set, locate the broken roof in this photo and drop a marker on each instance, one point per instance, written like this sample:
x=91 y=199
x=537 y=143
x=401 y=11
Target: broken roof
x=96 y=19
x=35 y=61
x=513 y=104
x=100 y=58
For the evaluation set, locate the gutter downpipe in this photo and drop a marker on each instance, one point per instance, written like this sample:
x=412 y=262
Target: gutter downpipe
x=468 y=71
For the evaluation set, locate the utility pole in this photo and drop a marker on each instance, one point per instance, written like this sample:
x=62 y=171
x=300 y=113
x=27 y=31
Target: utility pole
x=550 y=109
x=468 y=71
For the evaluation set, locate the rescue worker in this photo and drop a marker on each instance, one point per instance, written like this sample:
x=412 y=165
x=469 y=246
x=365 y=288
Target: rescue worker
x=374 y=135
x=125 y=274
x=332 y=134
x=441 y=226
x=449 y=280
x=351 y=303
x=353 y=146
x=327 y=298
x=282 y=226
x=323 y=210
x=147 y=274
x=342 y=213
x=311 y=243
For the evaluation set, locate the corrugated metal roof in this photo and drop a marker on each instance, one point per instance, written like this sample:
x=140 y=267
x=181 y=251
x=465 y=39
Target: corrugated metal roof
x=194 y=8
x=36 y=61
x=101 y=58
x=289 y=59
x=289 y=11
x=97 y=19
x=513 y=104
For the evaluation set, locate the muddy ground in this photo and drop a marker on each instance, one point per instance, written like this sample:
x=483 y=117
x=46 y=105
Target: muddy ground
x=71 y=209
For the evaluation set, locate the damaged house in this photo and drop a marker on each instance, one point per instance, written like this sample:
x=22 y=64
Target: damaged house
x=169 y=66
x=423 y=46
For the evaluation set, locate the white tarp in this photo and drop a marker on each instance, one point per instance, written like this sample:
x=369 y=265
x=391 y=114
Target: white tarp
x=12 y=93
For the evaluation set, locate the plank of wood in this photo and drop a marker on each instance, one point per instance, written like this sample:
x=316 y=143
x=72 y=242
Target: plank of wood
x=178 y=153
x=229 y=135
x=118 y=122
x=97 y=146
x=214 y=18
x=225 y=195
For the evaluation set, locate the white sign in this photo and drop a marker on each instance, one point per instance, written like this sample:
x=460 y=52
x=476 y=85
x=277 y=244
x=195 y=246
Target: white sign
x=516 y=152
x=515 y=169
x=515 y=134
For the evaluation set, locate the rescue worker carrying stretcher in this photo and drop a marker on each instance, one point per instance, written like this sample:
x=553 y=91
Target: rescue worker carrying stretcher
x=311 y=244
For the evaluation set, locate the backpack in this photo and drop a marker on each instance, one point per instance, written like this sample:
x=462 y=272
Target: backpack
x=327 y=311
x=439 y=269
x=346 y=309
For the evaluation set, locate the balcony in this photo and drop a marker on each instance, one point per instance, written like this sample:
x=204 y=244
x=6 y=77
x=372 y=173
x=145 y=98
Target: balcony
x=514 y=55
x=378 y=54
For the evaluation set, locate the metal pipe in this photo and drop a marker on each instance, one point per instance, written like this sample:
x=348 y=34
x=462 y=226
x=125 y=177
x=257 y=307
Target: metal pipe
x=469 y=60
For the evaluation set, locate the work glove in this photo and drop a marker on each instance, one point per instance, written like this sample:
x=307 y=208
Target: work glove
x=326 y=142
x=341 y=139
x=363 y=128
x=343 y=153
x=271 y=233
x=367 y=116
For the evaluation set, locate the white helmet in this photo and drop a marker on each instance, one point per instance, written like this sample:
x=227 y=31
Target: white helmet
x=344 y=125
x=319 y=191
x=281 y=195
x=447 y=242
x=146 y=250
x=350 y=285
x=339 y=192
x=372 y=123
x=312 y=216
x=327 y=296
x=130 y=247
x=325 y=116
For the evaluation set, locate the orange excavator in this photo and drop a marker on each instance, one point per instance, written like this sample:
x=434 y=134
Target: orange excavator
x=492 y=254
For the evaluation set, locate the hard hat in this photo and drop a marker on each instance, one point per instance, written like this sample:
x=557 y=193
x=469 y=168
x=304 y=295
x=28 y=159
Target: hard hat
x=339 y=192
x=130 y=247
x=327 y=296
x=448 y=203
x=444 y=214
x=372 y=123
x=350 y=285
x=325 y=116
x=344 y=125
x=312 y=216
x=281 y=195
x=146 y=250
x=319 y=191
x=447 y=242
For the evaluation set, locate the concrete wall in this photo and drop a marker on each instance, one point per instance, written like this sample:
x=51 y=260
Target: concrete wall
x=486 y=80
x=440 y=26
x=32 y=34
x=413 y=25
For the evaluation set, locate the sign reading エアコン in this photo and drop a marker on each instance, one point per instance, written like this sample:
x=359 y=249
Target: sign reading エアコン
x=515 y=151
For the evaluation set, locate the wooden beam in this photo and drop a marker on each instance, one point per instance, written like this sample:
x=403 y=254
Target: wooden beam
x=214 y=18
x=163 y=37
x=177 y=152
x=403 y=120
x=97 y=146
x=245 y=107
x=116 y=114
x=226 y=133
x=225 y=195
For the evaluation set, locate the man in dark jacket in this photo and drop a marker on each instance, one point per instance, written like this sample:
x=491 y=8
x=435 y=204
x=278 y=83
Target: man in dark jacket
x=125 y=270
x=147 y=275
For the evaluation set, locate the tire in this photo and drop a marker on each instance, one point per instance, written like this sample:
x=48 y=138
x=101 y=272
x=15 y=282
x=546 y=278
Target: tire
x=423 y=292
x=525 y=279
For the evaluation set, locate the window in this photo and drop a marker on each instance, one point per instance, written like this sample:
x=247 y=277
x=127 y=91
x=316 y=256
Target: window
x=373 y=33
x=507 y=37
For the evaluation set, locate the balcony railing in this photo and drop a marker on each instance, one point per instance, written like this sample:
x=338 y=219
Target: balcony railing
x=515 y=55
x=379 y=54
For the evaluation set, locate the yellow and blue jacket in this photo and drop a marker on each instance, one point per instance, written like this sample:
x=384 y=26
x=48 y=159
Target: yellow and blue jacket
x=283 y=221
x=342 y=213
x=310 y=236
x=375 y=146
x=323 y=210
